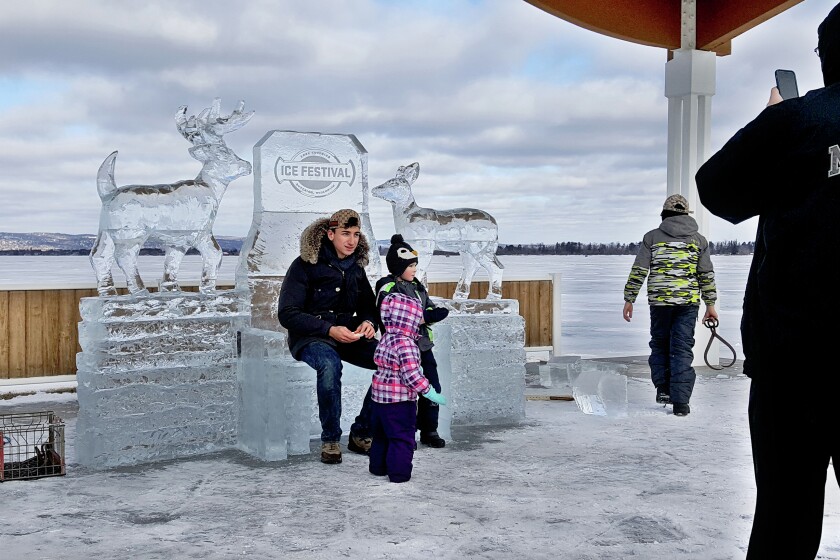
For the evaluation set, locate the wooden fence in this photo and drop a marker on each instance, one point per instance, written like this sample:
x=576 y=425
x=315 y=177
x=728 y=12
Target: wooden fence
x=39 y=328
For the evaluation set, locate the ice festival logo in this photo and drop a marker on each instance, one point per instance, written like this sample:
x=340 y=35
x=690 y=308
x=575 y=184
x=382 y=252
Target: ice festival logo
x=315 y=172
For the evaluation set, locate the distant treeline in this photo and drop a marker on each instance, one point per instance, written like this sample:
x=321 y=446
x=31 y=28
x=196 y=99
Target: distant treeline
x=562 y=248
x=578 y=248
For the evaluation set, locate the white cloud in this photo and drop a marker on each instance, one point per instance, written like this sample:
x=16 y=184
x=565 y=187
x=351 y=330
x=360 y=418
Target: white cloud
x=506 y=107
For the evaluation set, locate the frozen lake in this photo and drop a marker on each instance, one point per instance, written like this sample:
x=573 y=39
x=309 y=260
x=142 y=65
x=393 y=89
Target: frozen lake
x=591 y=290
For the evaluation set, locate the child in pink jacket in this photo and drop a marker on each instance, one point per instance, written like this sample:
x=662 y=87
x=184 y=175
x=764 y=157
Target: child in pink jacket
x=394 y=388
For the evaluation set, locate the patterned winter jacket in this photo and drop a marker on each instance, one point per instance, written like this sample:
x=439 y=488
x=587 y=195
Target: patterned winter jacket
x=677 y=258
x=398 y=377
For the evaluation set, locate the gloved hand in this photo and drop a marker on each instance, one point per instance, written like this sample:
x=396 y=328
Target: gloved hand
x=435 y=315
x=434 y=396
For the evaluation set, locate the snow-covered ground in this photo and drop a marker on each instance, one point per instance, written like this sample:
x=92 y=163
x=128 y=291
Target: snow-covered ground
x=561 y=485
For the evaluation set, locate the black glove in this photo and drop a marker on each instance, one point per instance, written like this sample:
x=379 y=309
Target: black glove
x=435 y=315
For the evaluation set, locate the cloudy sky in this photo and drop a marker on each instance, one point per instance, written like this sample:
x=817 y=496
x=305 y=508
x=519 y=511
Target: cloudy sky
x=558 y=132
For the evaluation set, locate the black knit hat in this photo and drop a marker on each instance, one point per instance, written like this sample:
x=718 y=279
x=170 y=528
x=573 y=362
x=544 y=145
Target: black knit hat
x=400 y=255
x=828 y=42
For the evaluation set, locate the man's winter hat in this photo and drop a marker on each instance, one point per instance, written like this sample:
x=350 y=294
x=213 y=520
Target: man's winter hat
x=400 y=255
x=676 y=203
x=828 y=46
x=346 y=218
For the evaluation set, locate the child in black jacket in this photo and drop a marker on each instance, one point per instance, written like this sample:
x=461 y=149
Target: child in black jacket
x=402 y=264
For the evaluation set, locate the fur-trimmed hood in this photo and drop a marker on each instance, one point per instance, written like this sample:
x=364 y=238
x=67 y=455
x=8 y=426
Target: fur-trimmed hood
x=313 y=237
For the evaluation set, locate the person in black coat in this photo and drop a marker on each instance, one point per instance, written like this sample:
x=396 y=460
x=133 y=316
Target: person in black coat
x=328 y=307
x=784 y=167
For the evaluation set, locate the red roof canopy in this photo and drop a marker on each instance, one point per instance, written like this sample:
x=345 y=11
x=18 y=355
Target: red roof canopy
x=658 y=22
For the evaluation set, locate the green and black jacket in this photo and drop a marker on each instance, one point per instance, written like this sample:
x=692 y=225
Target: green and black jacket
x=431 y=313
x=674 y=258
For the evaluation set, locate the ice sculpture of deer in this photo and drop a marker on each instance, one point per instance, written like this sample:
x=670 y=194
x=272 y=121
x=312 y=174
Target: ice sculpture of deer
x=178 y=215
x=471 y=233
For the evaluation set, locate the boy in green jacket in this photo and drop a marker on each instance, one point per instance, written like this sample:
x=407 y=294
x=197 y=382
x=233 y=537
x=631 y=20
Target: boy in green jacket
x=674 y=258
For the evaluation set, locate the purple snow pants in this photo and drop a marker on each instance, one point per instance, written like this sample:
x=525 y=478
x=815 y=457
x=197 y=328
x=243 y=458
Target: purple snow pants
x=392 y=429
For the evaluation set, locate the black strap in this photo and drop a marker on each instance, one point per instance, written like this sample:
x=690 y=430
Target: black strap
x=712 y=323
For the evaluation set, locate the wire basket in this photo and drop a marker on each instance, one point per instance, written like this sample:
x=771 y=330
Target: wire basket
x=31 y=445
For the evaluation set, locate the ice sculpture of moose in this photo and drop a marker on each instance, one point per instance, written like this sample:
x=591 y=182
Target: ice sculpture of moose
x=178 y=215
x=471 y=233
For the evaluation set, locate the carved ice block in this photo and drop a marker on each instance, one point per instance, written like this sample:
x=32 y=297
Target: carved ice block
x=278 y=399
x=298 y=178
x=157 y=376
x=263 y=427
x=600 y=388
x=482 y=357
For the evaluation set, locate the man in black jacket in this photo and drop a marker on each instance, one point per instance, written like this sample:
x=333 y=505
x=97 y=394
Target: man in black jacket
x=328 y=308
x=784 y=167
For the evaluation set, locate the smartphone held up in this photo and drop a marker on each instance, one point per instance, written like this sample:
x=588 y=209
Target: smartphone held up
x=786 y=84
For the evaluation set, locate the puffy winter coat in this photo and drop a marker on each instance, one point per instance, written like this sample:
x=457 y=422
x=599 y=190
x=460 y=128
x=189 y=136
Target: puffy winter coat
x=677 y=258
x=320 y=290
x=398 y=376
x=431 y=313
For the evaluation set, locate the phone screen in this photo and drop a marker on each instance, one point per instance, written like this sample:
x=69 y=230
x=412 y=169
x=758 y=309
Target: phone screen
x=786 y=83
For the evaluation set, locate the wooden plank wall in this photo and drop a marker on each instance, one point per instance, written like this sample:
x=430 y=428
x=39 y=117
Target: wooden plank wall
x=39 y=328
x=535 y=304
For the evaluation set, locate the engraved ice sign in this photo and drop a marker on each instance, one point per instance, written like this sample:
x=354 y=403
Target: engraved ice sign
x=315 y=172
x=309 y=172
x=298 y=178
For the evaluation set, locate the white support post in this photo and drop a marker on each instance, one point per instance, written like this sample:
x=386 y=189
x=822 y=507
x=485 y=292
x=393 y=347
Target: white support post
x=689 y=87
x=556 y=323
